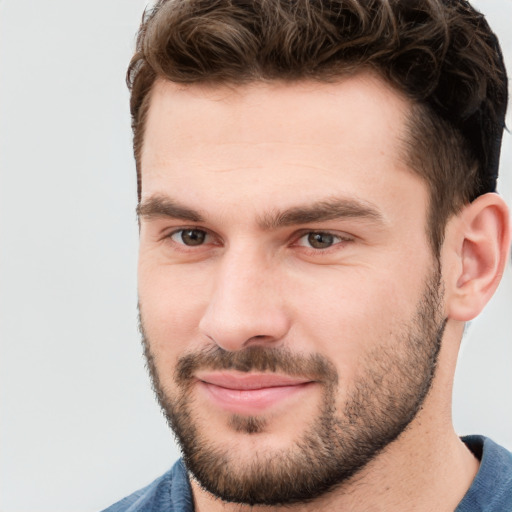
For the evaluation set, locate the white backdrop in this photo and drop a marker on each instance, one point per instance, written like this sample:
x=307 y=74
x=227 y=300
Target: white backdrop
x=79 y=427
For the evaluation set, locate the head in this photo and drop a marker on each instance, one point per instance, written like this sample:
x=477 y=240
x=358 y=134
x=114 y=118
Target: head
x=299 y=164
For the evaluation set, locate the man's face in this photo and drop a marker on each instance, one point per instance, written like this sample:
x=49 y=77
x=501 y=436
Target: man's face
x=290 y=304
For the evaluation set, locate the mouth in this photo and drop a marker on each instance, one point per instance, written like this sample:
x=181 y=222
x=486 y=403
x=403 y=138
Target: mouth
x=250 y=393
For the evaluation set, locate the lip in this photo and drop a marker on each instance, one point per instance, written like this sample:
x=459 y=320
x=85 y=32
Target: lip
x=249 y=393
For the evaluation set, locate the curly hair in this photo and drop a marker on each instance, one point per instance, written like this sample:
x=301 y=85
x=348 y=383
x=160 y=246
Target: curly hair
x=440 y=53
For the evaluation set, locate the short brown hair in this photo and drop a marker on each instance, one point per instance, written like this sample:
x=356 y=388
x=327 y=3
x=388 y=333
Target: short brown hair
x=440 y=53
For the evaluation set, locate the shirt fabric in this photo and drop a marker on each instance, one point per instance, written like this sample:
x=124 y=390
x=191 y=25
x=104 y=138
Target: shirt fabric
x=491 y=490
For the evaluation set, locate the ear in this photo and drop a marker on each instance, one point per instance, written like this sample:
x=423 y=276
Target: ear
x=479 y=240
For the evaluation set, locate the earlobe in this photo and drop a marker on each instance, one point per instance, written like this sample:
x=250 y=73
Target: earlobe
x=482 y=244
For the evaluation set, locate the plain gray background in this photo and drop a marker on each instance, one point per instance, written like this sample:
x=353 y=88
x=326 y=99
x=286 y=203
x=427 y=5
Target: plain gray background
x=79 y=425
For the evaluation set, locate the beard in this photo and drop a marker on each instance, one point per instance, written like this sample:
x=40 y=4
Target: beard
x=341 y=440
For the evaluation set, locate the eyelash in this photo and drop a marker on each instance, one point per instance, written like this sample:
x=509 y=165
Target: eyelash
x=183 y=246
x=340 y=240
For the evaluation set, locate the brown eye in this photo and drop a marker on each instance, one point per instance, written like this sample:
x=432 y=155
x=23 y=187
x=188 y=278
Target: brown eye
x=190 y=237
x=321 y=240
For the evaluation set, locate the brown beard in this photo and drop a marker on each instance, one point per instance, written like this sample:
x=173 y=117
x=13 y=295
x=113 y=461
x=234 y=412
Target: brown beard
x=381 y=403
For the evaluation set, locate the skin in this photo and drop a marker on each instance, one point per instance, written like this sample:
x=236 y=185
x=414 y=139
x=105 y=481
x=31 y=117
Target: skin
x=236 y=156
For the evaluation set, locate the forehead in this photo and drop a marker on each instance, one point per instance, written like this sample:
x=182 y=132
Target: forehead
x=247 y=142
x=362 y=106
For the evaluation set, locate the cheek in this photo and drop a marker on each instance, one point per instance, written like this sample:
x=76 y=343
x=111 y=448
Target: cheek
x=172 y=300
x=349 y=313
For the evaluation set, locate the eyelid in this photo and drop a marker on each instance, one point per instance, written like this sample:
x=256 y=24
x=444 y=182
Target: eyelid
x=341 y=235
x=342 y=239
x=168 y=235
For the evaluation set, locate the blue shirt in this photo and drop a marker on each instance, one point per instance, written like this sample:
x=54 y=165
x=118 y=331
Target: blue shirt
x=491 y=490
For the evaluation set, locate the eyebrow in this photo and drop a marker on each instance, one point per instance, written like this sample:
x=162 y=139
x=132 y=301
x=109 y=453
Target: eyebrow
x=158 y=206
x=320 y=211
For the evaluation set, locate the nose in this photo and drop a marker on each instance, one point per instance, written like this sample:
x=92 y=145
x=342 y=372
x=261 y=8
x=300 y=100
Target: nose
x=246 y=305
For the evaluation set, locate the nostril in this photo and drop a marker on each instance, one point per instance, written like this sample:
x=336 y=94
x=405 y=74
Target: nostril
x=260 y=338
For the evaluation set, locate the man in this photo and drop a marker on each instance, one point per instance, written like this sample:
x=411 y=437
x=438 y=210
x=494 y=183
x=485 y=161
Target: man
x=318 y=220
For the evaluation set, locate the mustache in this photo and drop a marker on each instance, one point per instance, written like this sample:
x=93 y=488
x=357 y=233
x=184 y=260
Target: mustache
x=256 y=358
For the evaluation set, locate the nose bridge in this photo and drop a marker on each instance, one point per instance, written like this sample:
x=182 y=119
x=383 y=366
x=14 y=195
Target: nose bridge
x=245 y=305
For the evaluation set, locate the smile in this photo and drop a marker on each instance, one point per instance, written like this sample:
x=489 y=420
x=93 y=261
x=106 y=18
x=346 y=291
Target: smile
x=249 y=393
